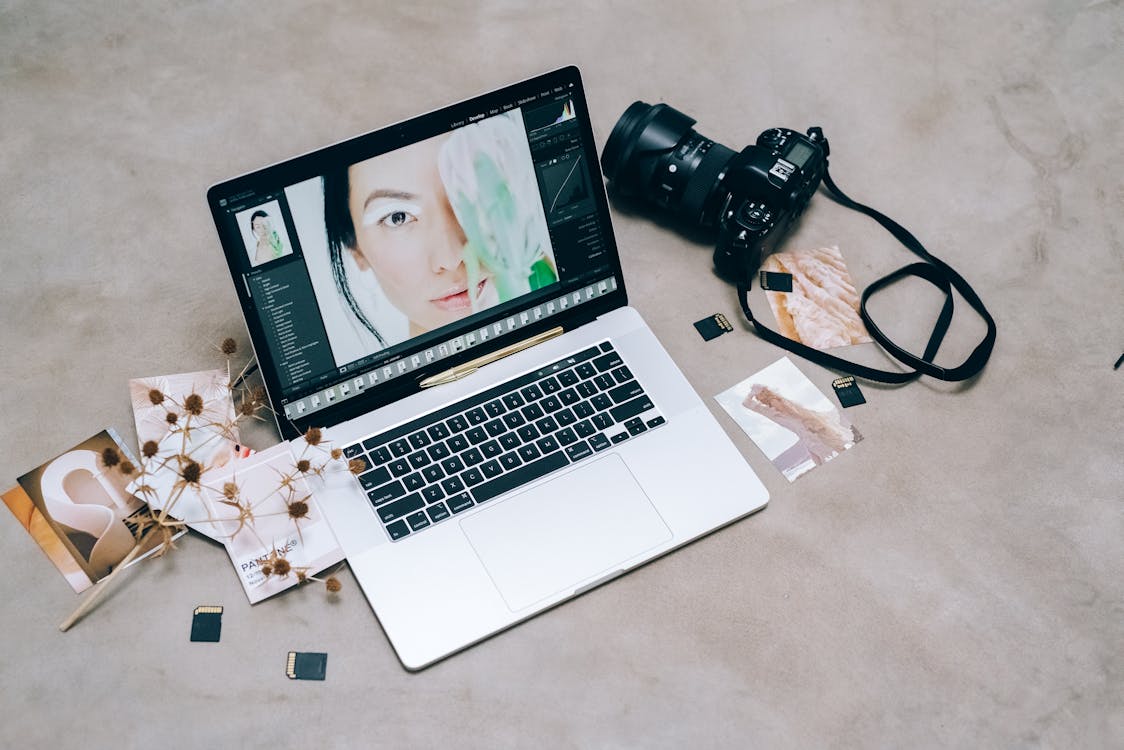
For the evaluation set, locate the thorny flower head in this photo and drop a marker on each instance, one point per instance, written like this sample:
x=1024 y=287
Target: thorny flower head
x=304 y=465
x=126 y=467
x=191 y=472
x=193 y=404
x=171 y=417
x=229 y=346
x=110 y=457
x=230 y=491
x=333 y=585
x=150 y=448
x=356 y=466
x=313 y=436
x=298 y=509
x=156 y=397
x=337 y=454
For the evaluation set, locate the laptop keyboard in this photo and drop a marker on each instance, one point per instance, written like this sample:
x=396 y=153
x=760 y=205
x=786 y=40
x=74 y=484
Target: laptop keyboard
x=437 y=466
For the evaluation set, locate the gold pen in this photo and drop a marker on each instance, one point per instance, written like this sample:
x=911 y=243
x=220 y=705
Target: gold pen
x=466 y=369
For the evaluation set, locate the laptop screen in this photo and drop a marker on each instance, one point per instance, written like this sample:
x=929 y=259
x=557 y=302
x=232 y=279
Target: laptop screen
x=371 y=264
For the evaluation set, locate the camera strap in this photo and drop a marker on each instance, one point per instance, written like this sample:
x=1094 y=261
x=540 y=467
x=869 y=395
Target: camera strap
x=933 y=270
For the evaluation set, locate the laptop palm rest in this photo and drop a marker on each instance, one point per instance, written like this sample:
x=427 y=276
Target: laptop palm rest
x=552 y=538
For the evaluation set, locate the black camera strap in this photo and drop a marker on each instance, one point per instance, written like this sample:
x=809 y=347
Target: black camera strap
x=933 y=270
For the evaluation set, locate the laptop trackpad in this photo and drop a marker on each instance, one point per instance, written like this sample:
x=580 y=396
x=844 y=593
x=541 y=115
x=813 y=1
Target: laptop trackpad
x=566 y=532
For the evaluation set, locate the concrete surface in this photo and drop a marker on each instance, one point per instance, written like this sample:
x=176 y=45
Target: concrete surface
x=955 y=580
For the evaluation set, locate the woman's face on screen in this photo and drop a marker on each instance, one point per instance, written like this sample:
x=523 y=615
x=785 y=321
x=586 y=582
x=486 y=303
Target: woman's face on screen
x=406 y=232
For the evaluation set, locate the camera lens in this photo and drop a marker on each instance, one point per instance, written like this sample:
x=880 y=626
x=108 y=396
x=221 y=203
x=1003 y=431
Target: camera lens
x=654 y=154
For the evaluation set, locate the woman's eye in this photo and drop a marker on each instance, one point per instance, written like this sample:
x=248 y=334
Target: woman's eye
x=397 y=219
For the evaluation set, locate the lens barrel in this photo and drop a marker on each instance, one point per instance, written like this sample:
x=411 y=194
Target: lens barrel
x=654 y=154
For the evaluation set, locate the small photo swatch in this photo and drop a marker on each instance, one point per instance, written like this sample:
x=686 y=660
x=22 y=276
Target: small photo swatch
x=819 y=307
x=789 y=419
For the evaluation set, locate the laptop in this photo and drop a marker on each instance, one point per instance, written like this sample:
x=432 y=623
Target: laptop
x=444 y=298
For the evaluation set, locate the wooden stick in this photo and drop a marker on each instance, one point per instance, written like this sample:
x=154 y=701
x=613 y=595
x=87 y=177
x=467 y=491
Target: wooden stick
x=101 y=587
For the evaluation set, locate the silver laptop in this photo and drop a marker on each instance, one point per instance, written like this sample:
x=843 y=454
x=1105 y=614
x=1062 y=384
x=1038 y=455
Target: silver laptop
x=445 y=297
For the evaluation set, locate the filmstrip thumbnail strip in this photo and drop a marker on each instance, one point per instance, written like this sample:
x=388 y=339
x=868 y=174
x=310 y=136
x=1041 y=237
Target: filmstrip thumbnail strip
x=363 y=381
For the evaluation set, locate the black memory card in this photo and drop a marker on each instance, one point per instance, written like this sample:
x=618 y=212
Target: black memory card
x=713 y=327
x=847 y=391
x=306 y=665
x=775 y=281
x=206 y=624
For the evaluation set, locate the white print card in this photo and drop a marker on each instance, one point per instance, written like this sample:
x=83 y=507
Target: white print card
x=790 y=420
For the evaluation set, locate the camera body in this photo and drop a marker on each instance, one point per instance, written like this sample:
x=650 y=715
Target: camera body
x=750 y=198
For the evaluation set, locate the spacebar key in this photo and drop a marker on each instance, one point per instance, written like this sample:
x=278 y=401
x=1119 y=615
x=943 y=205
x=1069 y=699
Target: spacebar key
x=524 y=474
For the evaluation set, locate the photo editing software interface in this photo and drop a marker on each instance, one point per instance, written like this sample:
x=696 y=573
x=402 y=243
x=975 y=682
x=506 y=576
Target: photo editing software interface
x=413 y=255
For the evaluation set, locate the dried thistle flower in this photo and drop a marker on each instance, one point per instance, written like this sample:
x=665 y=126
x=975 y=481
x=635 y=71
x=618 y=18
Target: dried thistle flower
x=337 y=454
x=298 y=510
x=304 y=465
x=171 y=417
x=150 y=448
x=247 y=408
x=356 y=465
x=110 y=457
x=281 y=567
x=230 y=491
x=229 y=346
x=267 y=570
x=302 y=575
x=127 y=467
x=257 y=393
x=333 y=585
x=156 y=397
x=313 y=436
x=193 y=404
x=191 y=472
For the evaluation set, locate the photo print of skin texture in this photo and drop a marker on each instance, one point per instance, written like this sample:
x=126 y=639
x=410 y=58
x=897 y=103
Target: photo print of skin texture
x=789 y=419
x=822 y=310
x=259 y=226
x=424 y=236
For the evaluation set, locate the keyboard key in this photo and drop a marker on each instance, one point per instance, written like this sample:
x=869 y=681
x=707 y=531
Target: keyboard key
x=386 y=493
x=551 y=404
x=373 y=479
x=433 y=473
x=585 y=370
x=417 y=521
x=599 y=442
x=527 y=433
x=603 y=420
x=513 y=419
x=524 y=474
x=457 y=423
x=546 y=425
x=565 y=417
x=624 y=392
x=437 y=512
x=419 y=440
x=620 y=437
x=606 y=346
x=413 y=481
x=605 y=382
x=513 y=401
x=509 y=461
x=631 y=408
x=400 y=508
x=547 y=444
x=601 y=402
x=397 y=530
x=578 y=451
x=569 y=397
x=352 y=451
x=509 y=441
x=622 y=374
x=608 y=362
x=373 y=442
x=419 y=459
x=494 y=408
x=399 y=467
x=438 y=431
x=400 y=447
x=433 y=493
x=656 y=421
x=438 y=451
x=568 y=377
x=531 y=393
x=472 y=457
x=452 y=485
x=452 y=465
x=380 y=455
x=477 y=415
x=491 y=449
x=584 y=428
x=495 y=427
x=528 y=452
x=460 y=502
x=550 y=385
x=476 y=435
x=635 y=426
x=584 y=409
x=566 y=436
x=533 y=412
x=473 y=477
x=587 y=389
x=491 y=469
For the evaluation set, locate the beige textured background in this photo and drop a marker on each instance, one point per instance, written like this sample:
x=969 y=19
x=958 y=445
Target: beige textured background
x=955 y=580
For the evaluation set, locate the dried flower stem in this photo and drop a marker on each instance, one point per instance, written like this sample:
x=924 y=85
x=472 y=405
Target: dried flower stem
x=102 y=586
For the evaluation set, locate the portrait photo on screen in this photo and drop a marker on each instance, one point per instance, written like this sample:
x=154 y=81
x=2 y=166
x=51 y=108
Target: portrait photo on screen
x=263 y=232
x=421 y=237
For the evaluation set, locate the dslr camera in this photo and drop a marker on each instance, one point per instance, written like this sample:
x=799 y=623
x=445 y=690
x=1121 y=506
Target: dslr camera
x=750 y=198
